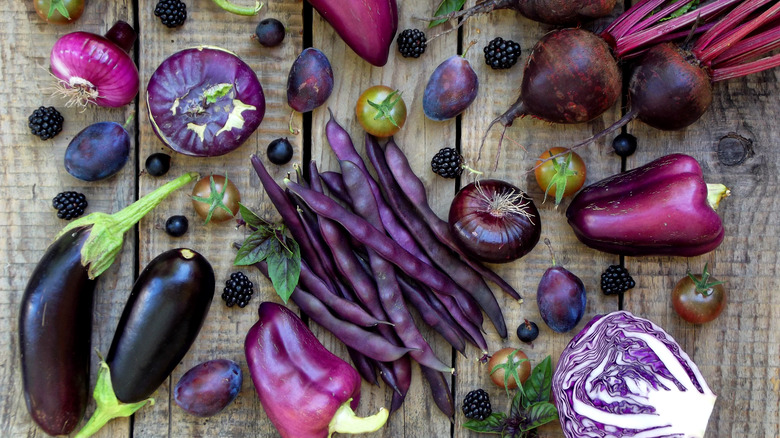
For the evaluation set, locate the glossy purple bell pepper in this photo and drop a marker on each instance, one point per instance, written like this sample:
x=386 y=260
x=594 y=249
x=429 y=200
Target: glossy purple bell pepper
x=661 y=208
x=306 y=391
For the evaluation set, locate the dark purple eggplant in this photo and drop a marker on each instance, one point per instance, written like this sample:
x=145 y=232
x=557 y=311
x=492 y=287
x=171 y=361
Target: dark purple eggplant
x=162 y=318
x=55 y=318
x=55 y=325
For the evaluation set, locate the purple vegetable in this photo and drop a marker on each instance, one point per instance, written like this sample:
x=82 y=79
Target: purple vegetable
x=100 y=150
x=310 y=81
x=204 y=101
x=209 y=387
x=661 y=208
x=306 y=391
x=625 y=376
x=452 y=87
x=367 y=26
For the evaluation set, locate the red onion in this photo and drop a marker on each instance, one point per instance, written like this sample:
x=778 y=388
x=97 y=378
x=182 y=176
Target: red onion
x=204 y=101
x=494 y=221
x=95 y=69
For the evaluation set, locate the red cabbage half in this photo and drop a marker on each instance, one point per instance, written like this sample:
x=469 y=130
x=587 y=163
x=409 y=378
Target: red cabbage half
x=204 y=101
x=624 y=376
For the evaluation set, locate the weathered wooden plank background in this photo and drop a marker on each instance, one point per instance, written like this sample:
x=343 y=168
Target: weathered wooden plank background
x=739 y=353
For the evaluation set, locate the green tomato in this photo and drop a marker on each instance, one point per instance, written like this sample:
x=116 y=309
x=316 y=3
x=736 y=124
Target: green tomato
x=381 y=111
x=59 y=11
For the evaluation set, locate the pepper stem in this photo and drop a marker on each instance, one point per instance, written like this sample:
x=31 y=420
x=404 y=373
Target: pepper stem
x=108 y=406
x=345 y=421
x=716 y=192
x=239 y=10
x=107 y=233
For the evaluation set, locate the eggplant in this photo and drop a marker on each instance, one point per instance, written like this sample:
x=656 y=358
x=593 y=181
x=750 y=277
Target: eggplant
x=661 y=208
x=306 y=391
x=55 y=317
x=162 y=318
x=367 y=26
x=55 y=326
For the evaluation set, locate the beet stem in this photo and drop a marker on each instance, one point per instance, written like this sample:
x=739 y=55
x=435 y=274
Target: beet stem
x=706 y=53
x=628 y=19
x=722 y=74
x=749 y=48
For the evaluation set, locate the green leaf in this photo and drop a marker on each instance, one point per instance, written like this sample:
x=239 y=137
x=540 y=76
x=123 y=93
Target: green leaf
x=284 y=266
x=251 y=218
x=492 y=424
x=519 y=403
x=384 y=109
x=212 y=94
x=539 y=414
x=446 y=7
x=215 y=199
x=59 y=6
x=255 y=247
x=687 y=7
x=539 y=385
x=560 y=179
x=510 y=369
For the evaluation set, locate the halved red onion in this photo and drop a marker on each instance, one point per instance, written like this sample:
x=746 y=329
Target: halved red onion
x=204 y=101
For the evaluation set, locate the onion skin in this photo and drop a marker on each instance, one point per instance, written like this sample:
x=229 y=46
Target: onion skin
x=661 y=208
x=178 y=110
x=490 y=237
x=100 y=62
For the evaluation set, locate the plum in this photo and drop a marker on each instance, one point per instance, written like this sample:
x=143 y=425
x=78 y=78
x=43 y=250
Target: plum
x=207 y=388
x=560 y=297
x=98 y=151
x=310 y=81
x=452 y=87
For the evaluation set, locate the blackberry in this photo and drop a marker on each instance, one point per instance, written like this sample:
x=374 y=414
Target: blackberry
x=616 y=280
x=45 y=122
x=500 y=54
x=238 y=290
x=69 y=205
x=447 y=163
x=476 y=405
x=172 y=13
x=411 y=43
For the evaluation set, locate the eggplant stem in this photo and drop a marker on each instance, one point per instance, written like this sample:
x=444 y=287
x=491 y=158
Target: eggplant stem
x=108 y=406
x=716 y=192
x=346 y=421
x=239 y=10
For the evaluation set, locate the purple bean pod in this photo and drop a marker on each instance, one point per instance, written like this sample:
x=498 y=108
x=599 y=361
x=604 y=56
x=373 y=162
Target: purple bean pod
x=414 y=190
x=440 y=389
x=431 y=317
x=364 y=341
x=341 y=144
x=387 y=374
x=384 y=274
x=364 y=366
x=335 y=185
x=402 y=369
x=386 y=247
x=443 y=257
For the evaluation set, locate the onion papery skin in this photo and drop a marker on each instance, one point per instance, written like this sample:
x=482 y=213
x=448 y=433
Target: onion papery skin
x=82 y=56
x=624 y=376
x=183 y=120
x=490 y=237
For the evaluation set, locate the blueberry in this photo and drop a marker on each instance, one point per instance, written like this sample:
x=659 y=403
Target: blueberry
x=624 y=145
x=527 y=331
x=280 y=151
x=269 y=32
x=158 y=164
x=176 y=226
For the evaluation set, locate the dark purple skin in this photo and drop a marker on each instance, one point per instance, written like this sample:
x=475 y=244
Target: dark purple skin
x=452 y=87
x=269 y=32
x=667 y=91
x=570 y=77
x=561 y=299
x=660 y=208
x=310 y=81
x=209 y=387
x=162 y=317
x=177 y=103
x=557 y=12
x=98 y=151
x=55 y=327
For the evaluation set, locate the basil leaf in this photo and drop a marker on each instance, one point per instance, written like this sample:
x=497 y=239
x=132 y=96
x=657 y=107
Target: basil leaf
x=539 y=414
x=492 y=424
x=251 y=218
x=446 y=7
x=519 y=404
x=284 y=266
x=538 y=386
x=255 y=248
x=689 y=6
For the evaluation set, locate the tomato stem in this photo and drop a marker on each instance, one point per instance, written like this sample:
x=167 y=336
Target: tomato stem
x=703 y=285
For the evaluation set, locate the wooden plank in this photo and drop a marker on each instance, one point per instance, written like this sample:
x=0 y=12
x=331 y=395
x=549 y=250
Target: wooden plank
x=739 y=352
x=33 y=174
x=222 y=335
x=420 y=138
x=526 y=140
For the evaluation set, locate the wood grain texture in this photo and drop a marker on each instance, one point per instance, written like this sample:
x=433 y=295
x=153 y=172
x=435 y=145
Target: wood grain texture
x=33 y=173
x=738 y=353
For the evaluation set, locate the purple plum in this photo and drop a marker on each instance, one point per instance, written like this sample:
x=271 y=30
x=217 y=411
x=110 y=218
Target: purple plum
x=98 y=151
x=207 y=388
x=561 y=299
x=453 y=86
x=310 y=81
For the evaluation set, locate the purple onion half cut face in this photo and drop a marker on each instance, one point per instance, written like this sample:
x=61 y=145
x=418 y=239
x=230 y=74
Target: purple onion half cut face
x=204 y=101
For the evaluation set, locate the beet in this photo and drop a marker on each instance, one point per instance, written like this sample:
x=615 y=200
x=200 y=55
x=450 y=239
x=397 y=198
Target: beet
x=557 y=12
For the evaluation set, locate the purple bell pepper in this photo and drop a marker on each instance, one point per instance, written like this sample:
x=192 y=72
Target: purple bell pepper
x=661 y=208
x=306 y=391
